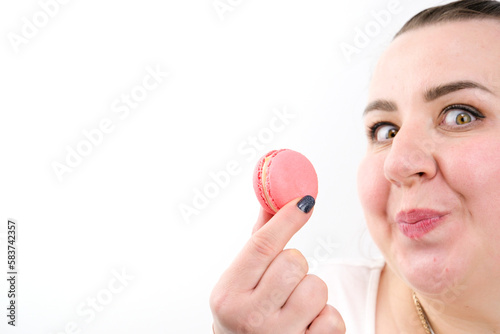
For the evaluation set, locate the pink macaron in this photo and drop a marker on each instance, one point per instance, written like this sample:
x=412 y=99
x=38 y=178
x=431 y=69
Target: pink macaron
x=282 y=175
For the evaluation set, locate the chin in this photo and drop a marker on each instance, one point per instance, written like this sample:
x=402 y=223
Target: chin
x=431 y=272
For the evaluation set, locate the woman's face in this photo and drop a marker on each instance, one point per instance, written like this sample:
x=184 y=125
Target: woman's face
x=430 y=181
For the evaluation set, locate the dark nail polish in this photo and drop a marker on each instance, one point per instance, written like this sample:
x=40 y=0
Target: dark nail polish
x=306 y=203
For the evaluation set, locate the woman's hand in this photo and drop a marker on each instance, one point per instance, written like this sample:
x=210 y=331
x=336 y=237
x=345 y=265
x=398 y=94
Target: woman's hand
x=267 y=289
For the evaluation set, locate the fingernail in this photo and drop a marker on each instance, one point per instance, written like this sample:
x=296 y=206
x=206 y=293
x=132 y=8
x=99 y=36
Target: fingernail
x=306 y=203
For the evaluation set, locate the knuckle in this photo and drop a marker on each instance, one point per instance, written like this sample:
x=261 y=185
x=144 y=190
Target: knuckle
x=296 y=259
x=225 y=303
x=334 y=319
x=317 y=282
x=235 y=316
x=318 y=287
x=296 y=264
x=220 y=302
x=250 y=323
x=264 y=244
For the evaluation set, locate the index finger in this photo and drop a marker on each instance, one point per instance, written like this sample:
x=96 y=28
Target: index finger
x=264 y=217
x=266 y=243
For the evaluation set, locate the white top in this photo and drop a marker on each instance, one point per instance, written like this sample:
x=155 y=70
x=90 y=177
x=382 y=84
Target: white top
x=352 y=290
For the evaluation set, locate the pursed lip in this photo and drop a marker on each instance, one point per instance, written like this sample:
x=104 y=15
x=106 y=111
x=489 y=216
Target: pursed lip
x=415 y=215
x=415 y=223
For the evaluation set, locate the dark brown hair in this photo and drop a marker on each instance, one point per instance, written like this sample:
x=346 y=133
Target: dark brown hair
x=454 y=11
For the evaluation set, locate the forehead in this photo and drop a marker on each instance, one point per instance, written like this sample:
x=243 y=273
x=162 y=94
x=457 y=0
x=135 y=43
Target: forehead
x=445 y=52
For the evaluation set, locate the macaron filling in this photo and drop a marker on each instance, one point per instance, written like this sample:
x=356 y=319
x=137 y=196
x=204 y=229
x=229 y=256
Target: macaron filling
x=263 y=180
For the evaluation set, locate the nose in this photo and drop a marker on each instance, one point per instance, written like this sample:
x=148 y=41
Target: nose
x=411 y=157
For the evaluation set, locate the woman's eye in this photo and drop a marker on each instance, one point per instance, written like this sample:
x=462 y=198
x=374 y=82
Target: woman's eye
x=460 y=115
x=383 y=132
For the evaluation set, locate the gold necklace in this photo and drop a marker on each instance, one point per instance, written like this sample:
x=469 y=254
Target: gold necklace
x=422 y=315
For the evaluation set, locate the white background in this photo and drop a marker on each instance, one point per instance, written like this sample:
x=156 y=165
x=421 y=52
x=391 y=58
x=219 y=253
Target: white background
x=118 y=210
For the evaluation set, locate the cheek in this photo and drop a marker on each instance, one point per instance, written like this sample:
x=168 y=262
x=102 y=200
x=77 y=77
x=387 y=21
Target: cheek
x=373 y=187
x=475 y=175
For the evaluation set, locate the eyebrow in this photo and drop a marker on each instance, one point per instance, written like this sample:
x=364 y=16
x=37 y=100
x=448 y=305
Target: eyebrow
x=430 y=94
